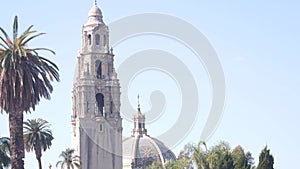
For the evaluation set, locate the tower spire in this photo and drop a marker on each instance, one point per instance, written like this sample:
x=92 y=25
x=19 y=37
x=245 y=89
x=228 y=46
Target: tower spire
x=139 y=106
x=139 y=121
x=95 y=2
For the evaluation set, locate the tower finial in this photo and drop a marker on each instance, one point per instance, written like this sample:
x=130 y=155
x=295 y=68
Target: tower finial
x=139 y=108
x=95 y=2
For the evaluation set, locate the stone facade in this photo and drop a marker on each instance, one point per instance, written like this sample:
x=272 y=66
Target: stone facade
x=96 y=120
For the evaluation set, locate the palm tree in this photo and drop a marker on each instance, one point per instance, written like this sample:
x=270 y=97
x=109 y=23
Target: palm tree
x=199 y=156
x=25 y=78
x=37 y=137
x=69 y=160
x=4 y=152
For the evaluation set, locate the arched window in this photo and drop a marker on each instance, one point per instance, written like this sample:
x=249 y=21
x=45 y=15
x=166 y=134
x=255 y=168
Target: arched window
x=89 y=39
x=111 y=106
x=97 y=39
x=100 y=103
x=104 y=39
x=101 y=127
x=99 y=69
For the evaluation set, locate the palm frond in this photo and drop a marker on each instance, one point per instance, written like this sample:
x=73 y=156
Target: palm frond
x=15 y=28
x=27 y=31
x=44 y=49
x=6 y=44
x=69 y=159
x=37 y=133
x=4 y=33
x=30 y=38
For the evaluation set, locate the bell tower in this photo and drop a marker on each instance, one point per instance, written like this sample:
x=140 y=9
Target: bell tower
x=96 y=120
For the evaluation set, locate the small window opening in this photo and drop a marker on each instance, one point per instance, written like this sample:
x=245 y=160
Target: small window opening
x=97 y=39
x=111 y=107
x=100 y=104
x=99 y=69
x=89 y=39
x=104 y=39
x=101 y=127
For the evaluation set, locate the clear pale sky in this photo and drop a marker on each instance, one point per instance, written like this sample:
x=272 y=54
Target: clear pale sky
x=257 y=44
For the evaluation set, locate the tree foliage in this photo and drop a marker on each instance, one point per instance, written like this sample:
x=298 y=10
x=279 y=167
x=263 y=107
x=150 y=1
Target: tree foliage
x=69 y=160
x=219 y=156
x=200 y=155
x=37 y=137
x=155 y=165
x=25 y=78
x=266 y=160
x=241 y=160
x=179 y=164
x=4 y=152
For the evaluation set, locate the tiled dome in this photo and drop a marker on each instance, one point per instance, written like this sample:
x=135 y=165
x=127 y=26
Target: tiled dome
x=95 y=15
x=144 y=150
x=95 y=12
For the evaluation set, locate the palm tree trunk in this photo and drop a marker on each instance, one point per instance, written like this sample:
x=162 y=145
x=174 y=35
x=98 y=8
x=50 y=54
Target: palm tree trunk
x=40 y=163
x=38 y=154
x=16 y=140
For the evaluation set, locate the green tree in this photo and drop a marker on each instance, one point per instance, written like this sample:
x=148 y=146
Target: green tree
x=37 y=137
x=24 y=79
x=220 y=157
x=266 y=160
x=69 y=160
x=250 y=159
x=155 y=165
x=4 y=152
x=200 y=156
x=187 y=151
x=169 y=164
x=241 y=161
x=185 y=157
x=179 y=164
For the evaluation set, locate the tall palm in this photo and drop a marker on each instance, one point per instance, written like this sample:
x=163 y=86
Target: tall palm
x=199 y=156
x=4 y=152
x=37 y=137
x=69 y=160
x=25 y=78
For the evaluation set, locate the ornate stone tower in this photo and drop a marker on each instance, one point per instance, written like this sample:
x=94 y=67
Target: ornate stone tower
x=96 y=120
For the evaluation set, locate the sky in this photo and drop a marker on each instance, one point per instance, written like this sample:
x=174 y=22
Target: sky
x=257 y=45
